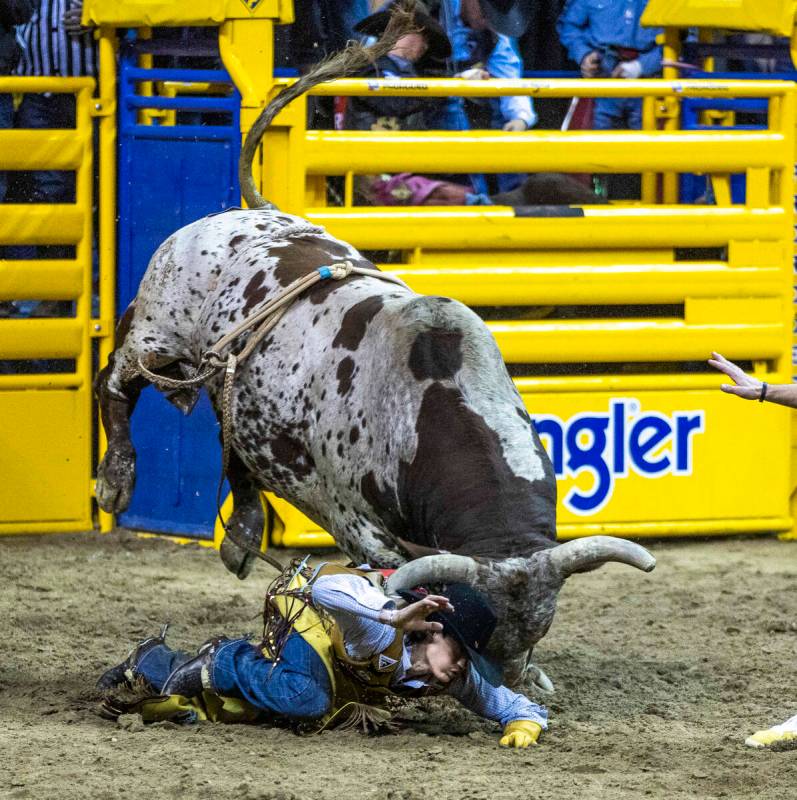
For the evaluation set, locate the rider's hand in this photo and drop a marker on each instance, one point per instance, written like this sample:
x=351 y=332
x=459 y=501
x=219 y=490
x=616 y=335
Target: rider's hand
x=745 y=386
x=591 y=64
x=520 y=733
x=413 y=617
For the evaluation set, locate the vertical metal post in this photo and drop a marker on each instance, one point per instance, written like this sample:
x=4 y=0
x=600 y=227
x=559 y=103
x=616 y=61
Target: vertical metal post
x=248 y=55
x=106 y=108
x=672 y=116
x=649 y=179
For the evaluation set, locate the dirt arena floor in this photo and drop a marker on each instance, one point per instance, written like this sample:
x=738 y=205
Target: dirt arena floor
x=659 y=679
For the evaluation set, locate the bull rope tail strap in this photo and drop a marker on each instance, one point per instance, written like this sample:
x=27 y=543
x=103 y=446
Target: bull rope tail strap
x=266 y=318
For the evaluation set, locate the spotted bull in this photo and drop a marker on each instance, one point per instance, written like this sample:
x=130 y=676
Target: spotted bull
x=385 y=416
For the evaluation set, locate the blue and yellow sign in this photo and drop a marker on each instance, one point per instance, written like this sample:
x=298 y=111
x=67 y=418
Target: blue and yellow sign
x=665 y=462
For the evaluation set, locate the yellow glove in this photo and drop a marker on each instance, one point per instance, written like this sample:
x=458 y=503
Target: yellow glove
x=520 y=733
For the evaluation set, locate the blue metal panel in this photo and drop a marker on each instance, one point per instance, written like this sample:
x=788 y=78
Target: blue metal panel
x=170 y=176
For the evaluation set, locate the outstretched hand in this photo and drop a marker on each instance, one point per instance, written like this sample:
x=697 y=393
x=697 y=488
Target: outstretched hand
x=413 y=617
x=743 y=384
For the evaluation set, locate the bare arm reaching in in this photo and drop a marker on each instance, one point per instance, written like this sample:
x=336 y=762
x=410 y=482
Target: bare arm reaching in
x=749 y=388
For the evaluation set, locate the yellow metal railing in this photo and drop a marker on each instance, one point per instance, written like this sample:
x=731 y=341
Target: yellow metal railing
x=47 y=416
x=604 y=306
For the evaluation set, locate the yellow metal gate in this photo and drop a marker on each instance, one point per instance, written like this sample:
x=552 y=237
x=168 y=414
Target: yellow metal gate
x=45 y=385
x=604 y=314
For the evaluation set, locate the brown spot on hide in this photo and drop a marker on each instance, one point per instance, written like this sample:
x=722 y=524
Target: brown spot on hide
x=355 y=321
x=123 y=326
x=459 y=493
x=254 y=292
x=236 y=240
x=436 y=354
x=301 y=256
x=290 y=453
x=345 y=375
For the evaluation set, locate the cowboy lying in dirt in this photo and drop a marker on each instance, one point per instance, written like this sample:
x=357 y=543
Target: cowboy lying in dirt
x=336 y=651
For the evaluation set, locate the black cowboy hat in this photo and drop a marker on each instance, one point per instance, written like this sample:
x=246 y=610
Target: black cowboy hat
x=439 y=48
x=471 y=623
x=510 y=17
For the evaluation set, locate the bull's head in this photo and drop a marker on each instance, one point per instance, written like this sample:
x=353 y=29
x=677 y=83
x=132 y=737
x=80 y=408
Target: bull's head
x=522 y=591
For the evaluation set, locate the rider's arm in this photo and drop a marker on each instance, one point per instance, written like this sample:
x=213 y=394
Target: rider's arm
x=497 y=703
x=355 y=605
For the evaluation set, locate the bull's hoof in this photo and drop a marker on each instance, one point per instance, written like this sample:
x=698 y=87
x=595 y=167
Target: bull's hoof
x=245 y=532
x=116 y=477
x=236 y=559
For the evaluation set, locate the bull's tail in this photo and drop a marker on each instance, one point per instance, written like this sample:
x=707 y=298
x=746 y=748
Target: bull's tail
x=352 y=60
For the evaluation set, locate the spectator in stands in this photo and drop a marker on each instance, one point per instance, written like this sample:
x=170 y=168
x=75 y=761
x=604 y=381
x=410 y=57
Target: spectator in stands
x=426 y=47
x=12 y=13
x=426 y=50
x=62 y=49
x=479 y=52
x=409 y=56
x=321 y=27
x=606 y=40
x=53 y=43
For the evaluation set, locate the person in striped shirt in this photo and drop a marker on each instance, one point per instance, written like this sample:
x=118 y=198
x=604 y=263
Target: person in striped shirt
x=12 y=13
x=52 y=43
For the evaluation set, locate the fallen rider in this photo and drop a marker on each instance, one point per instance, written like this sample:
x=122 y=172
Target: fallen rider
x=336 y=650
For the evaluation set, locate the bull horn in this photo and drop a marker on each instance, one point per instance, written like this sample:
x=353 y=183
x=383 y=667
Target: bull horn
x=446 y=568
x=592 y=551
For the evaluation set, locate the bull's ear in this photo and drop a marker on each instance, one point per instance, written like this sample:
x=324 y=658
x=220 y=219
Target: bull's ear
x=582 y=555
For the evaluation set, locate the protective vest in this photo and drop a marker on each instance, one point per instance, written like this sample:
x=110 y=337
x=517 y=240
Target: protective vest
x=358 y=687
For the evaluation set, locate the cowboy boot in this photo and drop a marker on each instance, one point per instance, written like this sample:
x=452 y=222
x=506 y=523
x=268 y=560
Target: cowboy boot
x=192 y=677
x=125 y=672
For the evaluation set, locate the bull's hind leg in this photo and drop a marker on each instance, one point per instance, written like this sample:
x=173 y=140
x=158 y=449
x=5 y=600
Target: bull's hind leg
x=246 y=526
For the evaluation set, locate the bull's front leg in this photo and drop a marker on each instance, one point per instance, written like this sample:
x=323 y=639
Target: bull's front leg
x=246 y=526
x=116 y=474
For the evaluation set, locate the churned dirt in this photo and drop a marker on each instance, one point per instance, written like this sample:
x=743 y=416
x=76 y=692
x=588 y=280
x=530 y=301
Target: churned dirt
x=659 y=679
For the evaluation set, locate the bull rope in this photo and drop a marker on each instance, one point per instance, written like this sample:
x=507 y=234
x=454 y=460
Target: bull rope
x=268 y=316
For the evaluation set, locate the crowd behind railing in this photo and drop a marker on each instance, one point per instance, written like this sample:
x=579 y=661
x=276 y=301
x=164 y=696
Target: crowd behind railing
x=476 y=40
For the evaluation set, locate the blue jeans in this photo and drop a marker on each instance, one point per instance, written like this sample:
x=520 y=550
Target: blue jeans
x=297 y=686
x=617 y=113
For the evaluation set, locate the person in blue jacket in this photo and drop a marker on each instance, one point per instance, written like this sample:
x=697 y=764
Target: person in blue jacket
x=605 y=38
x=480 y=52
